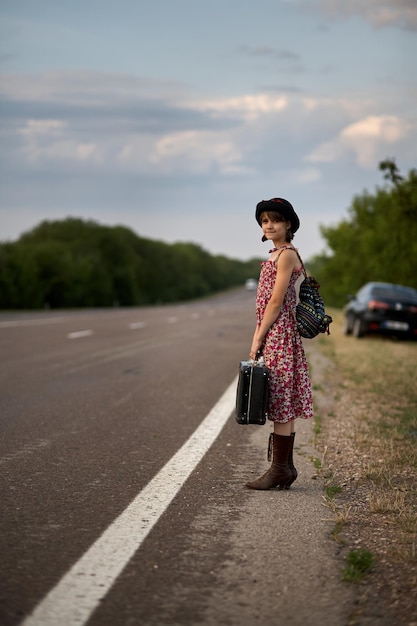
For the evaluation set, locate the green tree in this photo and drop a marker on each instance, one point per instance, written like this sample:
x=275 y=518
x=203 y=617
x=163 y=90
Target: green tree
x=377 y=242
x=77 y=263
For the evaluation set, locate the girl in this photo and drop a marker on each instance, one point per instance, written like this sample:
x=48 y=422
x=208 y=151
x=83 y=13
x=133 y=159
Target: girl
x=277 y=338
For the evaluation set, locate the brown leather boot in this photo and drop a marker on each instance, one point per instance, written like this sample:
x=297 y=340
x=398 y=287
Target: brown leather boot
x=279 y=474
x=291 y=464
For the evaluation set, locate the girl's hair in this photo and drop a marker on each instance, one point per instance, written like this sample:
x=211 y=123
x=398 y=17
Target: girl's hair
x=277 y=217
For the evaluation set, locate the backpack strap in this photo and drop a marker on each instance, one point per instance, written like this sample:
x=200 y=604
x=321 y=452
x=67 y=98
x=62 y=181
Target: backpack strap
x=301 y=261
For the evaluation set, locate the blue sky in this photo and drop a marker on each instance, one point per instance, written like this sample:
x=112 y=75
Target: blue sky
x=175 y=117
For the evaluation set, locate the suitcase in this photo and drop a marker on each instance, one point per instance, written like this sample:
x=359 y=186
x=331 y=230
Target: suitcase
x=252 y=393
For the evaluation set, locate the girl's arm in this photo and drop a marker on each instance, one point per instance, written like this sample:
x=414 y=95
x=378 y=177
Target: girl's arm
x=287 y=262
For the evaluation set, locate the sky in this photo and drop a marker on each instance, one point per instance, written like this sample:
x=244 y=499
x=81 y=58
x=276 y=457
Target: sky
x=176 y=117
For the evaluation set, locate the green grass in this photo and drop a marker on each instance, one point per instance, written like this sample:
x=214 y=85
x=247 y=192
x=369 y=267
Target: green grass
x=332 y=490
x=381 y=373
x=318 y=387
x=358 y=564
x=317 y=463
x=374 y=377
x=317 y=424
x=337 y=531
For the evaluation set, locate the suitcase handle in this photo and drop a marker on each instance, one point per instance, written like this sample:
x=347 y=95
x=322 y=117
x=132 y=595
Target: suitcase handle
x=259 y=359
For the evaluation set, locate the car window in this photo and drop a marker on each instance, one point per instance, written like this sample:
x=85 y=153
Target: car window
x=362 y=293
x=395 y=293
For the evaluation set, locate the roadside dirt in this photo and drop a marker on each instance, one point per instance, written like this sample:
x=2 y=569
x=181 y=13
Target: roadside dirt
x=388 y=593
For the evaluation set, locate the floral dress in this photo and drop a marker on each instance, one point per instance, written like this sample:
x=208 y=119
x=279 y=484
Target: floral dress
x=290 y=394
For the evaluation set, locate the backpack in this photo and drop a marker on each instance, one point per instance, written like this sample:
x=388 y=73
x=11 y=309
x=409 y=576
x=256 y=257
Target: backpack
x=310 y=316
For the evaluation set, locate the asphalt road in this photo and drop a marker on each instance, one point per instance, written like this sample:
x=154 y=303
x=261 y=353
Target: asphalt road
x=92 y=405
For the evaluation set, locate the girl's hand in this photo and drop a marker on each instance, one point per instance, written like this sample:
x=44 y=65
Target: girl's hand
x=256 y=346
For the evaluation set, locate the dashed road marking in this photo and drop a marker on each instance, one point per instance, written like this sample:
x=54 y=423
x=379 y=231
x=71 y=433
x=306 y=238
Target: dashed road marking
x=135 y=325
x=79 y=333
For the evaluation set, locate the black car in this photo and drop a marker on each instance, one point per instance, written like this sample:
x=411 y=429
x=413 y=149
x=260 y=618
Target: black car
x=382 y=308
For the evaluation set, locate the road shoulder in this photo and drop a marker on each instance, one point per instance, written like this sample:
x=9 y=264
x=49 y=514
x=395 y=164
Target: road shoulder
x=283 y=565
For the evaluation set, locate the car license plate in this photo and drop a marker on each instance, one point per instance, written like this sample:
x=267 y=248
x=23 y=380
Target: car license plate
x=393 y=325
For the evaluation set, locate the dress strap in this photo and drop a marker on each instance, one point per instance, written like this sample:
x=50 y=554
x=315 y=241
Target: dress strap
x=282 y=248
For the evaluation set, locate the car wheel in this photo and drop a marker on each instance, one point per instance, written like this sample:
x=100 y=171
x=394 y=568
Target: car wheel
x=347 y=326
x=358 y=331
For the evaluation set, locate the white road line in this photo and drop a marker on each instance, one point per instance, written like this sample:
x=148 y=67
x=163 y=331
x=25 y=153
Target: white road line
x=80 y=590
x=134 y=325
x=79 y=333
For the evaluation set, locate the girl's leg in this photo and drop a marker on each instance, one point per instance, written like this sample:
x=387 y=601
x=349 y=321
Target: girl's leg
x=283 y=429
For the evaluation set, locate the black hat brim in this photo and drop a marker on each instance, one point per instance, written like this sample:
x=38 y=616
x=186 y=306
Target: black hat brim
x=281 y=206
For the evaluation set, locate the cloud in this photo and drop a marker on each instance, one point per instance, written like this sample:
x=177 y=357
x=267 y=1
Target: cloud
x=367 y=139
x=282 y=60
x=122 y=129
x=268 y=51
x=124 y=125
x=187 y=152
x=245 y=107
x=380 y=13
x=108 y=147
x=46 y=139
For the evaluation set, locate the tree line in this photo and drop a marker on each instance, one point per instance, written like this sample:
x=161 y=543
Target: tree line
x=376 y=242
x=77 y=263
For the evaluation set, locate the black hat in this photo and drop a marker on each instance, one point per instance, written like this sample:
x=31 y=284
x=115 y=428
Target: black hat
x=281 y=206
